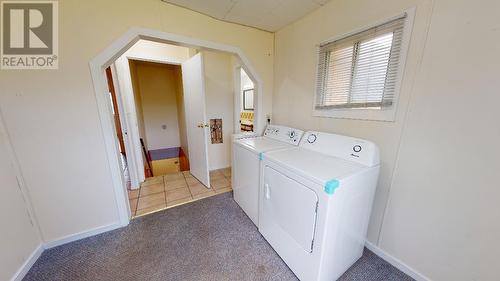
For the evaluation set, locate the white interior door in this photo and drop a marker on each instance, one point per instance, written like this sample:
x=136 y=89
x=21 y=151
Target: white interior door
x=193 y=80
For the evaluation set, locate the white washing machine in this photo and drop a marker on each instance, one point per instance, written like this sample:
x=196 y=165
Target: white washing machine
x=247 y=154
x=316 y=201
x=239 y=136
x=244 y=135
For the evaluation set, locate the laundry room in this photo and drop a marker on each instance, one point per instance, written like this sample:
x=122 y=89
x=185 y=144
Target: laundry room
x=312 y=140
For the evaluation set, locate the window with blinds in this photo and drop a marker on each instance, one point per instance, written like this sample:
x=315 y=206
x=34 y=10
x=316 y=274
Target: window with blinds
x=361 y=70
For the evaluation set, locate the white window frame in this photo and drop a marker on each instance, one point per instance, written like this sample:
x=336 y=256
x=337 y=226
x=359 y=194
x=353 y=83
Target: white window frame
x=382 y=114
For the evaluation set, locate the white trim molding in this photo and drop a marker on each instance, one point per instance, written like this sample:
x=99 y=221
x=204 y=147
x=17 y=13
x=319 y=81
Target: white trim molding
x=30 y=261
x=156 y=59
x=25 y=268
x=396 y=262
x=81 y=235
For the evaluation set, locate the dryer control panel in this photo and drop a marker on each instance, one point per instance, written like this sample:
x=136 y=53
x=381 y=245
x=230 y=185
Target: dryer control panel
x=348 y=148
x=284 y=134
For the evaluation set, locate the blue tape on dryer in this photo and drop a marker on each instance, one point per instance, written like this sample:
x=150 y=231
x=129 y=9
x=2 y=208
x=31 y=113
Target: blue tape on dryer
x=331 y=185
x=261 y=156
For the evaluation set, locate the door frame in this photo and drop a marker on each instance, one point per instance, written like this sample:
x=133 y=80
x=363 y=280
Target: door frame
x=117 y=48
x=117 y=110
x=238 y=99
x=124 y=92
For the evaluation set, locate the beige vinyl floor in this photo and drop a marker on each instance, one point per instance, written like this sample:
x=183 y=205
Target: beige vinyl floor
x=162 y=192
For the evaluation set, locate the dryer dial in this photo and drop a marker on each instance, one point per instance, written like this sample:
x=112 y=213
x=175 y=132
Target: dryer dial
x=311 y=138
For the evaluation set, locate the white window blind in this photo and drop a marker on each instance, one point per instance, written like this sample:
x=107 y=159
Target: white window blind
x=361 y=70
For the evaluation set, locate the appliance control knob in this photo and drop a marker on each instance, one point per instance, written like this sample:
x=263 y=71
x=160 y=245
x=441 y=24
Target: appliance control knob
x=356 y=148
x=292 y=134
x=311 y=138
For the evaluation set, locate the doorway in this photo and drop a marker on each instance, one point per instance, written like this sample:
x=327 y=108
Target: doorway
x=157 y=89
x=107 y=58
x=115 y=111
x=246 y=92
x=182 y=109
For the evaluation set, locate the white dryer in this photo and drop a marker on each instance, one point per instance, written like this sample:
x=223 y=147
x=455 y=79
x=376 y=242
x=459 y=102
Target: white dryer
x=247 y=154
x=316 y=201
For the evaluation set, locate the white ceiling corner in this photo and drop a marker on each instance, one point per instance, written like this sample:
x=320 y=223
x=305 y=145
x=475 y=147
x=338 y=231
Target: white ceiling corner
x=269 y=15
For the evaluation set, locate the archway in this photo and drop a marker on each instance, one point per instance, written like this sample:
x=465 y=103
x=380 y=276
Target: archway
x=104 y=59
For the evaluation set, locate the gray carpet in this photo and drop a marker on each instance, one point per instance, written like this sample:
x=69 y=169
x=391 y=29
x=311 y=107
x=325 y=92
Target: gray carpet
x=211 y=239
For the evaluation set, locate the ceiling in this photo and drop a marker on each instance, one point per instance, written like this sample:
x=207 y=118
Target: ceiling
x=270 y=15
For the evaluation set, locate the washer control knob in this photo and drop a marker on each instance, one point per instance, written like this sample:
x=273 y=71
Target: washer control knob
x=292 y=134
x=356 y=148
x=311 y=138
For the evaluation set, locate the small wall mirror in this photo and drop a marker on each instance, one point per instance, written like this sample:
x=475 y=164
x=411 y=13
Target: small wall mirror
x=248 y=99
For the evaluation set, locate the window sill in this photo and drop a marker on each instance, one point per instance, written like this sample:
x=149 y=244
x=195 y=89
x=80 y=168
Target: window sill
x=386 y=115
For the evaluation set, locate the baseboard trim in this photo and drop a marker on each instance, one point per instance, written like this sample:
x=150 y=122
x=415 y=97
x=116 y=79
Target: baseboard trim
x=23 y=270
x=19 y=275
x=220 y=168
x=82 y=235
x=396 y=262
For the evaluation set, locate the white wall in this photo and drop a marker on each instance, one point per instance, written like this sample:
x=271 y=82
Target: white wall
x=246 y=82
x=19 y=237
x=155 y=51
x=53 y=120
x=181 y=112
x=219 y=104
x=443 y=215
x=157 y=86
x=440 y=156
